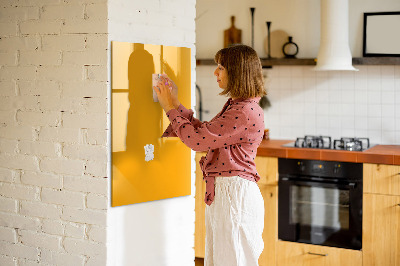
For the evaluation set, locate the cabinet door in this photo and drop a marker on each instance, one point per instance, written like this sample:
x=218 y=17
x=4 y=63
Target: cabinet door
x=297 y=254
x=381 y=230
x=200 y=207
x=381 y=179
x=270 y=233
x=267 y=168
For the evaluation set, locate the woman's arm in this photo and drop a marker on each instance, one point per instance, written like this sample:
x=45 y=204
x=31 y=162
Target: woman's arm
x=188 y=114
x=228 y=129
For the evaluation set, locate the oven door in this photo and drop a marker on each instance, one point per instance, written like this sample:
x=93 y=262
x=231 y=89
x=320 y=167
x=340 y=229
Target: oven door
x=321 y=212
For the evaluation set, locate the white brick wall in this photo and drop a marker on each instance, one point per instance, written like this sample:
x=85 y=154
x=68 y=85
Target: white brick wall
x=54 y=129
x=53 y=121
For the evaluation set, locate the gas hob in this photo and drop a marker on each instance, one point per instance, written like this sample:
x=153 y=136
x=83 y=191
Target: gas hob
x=325 y=142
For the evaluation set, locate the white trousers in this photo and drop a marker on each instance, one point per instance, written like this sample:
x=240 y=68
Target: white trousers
x=234 y=223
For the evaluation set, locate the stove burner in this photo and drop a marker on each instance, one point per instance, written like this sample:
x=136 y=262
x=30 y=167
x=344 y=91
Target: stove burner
x=324 y=142
x=308 y=141
x=351 y=144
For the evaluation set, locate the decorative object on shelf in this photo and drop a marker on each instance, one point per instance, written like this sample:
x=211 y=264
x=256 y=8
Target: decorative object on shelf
x=232 y=35
x=290 y=49
x=380 y=35
x=269 y=39
x=252 y=9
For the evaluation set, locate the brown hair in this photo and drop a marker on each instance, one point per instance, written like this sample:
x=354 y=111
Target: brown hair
x=245 y=78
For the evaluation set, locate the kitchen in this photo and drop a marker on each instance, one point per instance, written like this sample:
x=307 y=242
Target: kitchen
x=337 y=104
x=55 y=138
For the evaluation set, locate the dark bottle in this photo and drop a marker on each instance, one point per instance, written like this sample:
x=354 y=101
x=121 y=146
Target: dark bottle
x=290 y=49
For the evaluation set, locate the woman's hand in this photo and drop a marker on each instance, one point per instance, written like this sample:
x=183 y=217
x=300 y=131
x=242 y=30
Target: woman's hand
x=164 y=94
x=174 y=93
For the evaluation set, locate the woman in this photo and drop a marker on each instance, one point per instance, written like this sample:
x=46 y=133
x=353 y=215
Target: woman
x=235 y=207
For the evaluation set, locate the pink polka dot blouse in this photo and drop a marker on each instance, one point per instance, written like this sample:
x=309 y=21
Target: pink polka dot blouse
x=231 y=139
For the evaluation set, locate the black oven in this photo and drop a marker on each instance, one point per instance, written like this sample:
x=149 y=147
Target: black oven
x=320 y=202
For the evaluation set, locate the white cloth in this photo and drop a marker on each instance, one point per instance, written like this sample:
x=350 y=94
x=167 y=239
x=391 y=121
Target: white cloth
x=234 y=223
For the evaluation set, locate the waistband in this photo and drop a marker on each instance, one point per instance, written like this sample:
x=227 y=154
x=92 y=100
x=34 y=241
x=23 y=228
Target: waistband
x=228 y=179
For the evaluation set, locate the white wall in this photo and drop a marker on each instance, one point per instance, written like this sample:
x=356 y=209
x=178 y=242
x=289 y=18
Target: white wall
x=159 y=232
x=337 y=104
x=53 y=109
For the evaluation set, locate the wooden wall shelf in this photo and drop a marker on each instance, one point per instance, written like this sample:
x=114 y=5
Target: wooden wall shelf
x=312 y=61
x=288 y=61
x=376 y=61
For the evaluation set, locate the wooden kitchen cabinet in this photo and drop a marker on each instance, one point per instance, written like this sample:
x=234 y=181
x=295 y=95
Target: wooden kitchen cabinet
x=298 y=254
x=200 y=208
x=270 y=233
x=381 y=179
x=381 y=215
x=381 y=230
x=267 y=168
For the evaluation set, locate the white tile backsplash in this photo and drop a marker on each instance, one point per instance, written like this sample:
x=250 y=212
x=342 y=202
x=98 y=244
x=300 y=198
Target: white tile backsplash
x=374 y=110
x=374 y=97
x=364 y=103
x=387 y=110
x=361 y=124
x=387 y=71
x=348 y=96
x=388 y=84
x=374 y=83
x=388 y=97
x=387 y=124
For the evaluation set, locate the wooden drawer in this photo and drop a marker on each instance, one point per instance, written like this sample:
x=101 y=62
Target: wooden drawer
x=381 y=179
x=298 y=254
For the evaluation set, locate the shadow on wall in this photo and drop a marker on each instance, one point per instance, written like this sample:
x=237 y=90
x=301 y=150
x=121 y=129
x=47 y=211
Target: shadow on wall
x=140 y=69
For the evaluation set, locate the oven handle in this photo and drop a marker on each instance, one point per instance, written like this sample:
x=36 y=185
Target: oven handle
x=318 y=254
x=297 y=181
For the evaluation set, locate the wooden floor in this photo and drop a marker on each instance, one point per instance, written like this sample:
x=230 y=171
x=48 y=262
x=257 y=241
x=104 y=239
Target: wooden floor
x=199 y=262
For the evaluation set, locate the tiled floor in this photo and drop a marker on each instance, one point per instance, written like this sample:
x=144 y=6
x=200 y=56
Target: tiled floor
x=199 y=262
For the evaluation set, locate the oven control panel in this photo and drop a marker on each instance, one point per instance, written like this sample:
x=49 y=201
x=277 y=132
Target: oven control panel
x=330 y=169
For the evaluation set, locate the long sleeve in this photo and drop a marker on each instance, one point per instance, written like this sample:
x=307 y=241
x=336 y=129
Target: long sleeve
x=187 y=113
x=225 y=130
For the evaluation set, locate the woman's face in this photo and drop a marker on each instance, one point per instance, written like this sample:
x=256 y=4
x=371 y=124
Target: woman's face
x=222 y=76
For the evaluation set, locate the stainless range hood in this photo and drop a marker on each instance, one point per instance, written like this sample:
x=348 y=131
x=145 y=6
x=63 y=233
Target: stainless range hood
x=334 y=51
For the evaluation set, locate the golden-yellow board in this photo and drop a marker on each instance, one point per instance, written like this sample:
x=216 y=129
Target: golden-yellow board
x=137 y=121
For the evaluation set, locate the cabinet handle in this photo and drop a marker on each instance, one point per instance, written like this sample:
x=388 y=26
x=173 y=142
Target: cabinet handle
x=318 y=254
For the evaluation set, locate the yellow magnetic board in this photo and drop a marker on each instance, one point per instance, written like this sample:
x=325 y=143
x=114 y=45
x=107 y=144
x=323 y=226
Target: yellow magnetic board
x=137 y=121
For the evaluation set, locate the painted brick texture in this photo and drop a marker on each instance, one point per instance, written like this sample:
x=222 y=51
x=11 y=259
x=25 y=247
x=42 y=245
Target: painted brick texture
x=54 y=126
x=53 y=132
